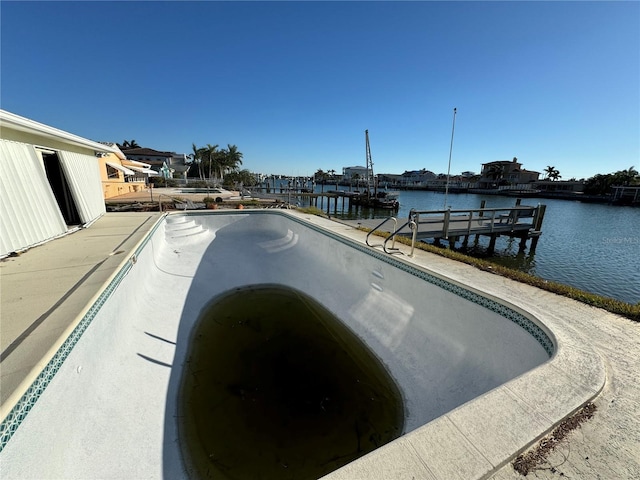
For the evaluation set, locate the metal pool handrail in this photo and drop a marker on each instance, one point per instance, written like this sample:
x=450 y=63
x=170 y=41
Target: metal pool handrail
x=395 y=228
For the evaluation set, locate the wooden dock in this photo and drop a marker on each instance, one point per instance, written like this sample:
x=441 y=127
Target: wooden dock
x=523 y=222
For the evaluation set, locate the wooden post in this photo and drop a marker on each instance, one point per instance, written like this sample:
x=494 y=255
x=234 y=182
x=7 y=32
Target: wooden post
x=537 y=221
x=492 y=243
x=534 y=242
x=482 y=204
x=518 y=202
x=523 y=243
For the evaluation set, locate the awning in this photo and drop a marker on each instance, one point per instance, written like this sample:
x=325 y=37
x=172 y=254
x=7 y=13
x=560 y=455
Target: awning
x=136 y=163
x=123 y=169
x=148 y=171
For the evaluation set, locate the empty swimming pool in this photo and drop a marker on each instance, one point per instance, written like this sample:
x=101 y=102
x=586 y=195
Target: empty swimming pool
x=116 y=408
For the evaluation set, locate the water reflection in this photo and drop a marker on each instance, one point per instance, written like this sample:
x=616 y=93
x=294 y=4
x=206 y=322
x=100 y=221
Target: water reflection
x=511 y=256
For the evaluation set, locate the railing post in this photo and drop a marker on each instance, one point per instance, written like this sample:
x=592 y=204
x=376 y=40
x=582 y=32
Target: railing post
x=395 y=229
x=414 y=227
x=445 y=226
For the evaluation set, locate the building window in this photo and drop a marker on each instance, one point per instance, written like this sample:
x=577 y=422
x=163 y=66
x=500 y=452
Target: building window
x=112 y=172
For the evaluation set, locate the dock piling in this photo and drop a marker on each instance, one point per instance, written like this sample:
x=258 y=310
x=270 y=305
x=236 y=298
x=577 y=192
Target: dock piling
x=492 y=243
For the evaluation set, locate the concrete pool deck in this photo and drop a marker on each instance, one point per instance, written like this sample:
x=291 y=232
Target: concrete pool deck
x=47 y=289
x=54 y=283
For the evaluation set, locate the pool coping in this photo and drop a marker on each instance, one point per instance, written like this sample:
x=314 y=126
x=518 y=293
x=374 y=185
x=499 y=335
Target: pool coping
x=467 y=442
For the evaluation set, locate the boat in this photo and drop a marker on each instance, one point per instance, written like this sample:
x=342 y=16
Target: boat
x=371 y=196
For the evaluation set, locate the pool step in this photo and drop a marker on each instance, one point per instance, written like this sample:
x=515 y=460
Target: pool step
x=176 y=227
x=186 y=232
x=179 y=220
x=183 y=227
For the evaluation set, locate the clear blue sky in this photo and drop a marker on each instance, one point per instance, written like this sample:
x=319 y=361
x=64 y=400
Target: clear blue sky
x=295 y=84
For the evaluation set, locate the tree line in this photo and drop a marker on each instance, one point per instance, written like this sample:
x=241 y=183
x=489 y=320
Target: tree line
x=601 y=184
x=212 y=162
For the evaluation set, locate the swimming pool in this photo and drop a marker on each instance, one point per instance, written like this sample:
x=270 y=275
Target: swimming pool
x=116 y=395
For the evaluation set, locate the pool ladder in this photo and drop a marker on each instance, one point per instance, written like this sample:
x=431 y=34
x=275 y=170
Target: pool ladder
x=392 y=249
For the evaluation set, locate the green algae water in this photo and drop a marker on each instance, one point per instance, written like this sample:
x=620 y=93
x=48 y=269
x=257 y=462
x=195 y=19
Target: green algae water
x=276 y=387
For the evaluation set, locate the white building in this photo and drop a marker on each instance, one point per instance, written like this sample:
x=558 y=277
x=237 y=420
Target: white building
x=349 y=173
x=50 y=182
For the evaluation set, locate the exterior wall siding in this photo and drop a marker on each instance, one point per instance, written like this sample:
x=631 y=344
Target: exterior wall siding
x=83 y=174
x=29 y=213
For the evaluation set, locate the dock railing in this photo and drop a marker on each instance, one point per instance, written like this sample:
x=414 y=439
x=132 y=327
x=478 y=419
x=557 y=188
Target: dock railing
x=456 y=223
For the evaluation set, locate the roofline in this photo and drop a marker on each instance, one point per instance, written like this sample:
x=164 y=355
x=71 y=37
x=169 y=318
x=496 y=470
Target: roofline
x=16 y=122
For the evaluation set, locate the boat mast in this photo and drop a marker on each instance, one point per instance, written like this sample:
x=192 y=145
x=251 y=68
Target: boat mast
x=370 y=178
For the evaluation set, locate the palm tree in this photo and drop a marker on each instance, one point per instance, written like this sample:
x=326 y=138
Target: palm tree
x=320 y=176
x=549 y=171
x=229 y=160
x=626 y=177
x=552 y=173
x=196 y=157
x=555 y=175
x=495 y=172
x=332 y=176
x=210 y=154
x=130 y=144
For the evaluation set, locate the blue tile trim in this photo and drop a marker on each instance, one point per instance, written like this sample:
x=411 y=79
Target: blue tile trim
x=19 y=412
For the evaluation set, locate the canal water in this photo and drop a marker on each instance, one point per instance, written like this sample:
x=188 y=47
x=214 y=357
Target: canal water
x=593 y=247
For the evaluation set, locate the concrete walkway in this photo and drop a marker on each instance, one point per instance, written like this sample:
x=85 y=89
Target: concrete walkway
x=48 y=288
